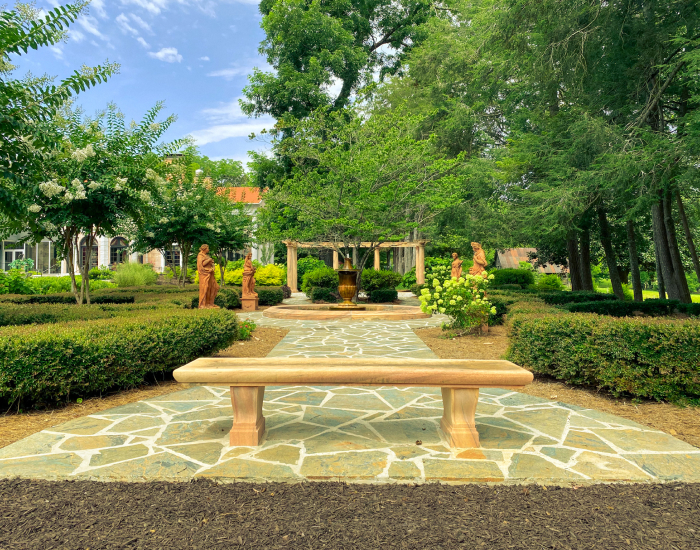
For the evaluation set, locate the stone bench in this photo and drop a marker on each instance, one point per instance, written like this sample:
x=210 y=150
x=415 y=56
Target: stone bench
x=459 y=379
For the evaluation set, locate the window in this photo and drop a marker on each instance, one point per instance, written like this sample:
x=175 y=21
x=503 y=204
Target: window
x=83 y=253
x=175 y=255
x=117 y=251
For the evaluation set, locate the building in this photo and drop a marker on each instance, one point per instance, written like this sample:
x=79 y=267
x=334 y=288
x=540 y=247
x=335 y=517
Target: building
x=113 y=250
x=511 y=258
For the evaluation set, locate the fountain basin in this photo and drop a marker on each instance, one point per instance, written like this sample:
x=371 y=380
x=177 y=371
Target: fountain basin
x=326 y=312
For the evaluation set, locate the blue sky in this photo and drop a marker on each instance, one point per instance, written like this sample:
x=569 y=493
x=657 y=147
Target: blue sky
x=193 y=54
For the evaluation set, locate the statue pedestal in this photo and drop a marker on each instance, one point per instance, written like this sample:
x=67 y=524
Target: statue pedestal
x=249 y=304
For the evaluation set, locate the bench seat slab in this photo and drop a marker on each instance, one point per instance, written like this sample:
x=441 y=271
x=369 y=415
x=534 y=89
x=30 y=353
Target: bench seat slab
x=248 y=421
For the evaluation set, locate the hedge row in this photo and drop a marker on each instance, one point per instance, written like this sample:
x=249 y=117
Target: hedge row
x=383 y=295
x=230 y=297
x=13 y=315
x=64 y=298
x=558 y=298
x=652 y=358
x=619 y=308
x=50 y=363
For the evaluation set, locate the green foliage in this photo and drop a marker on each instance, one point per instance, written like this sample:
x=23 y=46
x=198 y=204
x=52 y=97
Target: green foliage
x=383 y=295
x=522 y=277
x=323 y=294
x=15 y=282
x=269 y=296
x=223 y=172
x=558 y=298
x=226 y=298
x=550 y=282
x=499 y=309
x=644 y=358
x=309 y=263
x=619 y=308
x=373 y=279
x=271 y=275
x=52 y=363
x=245 y=329
x=133 y=274
x=463 y=300
x=416 y=289
x=64 y=299
x=324 y=277
x=101 y=274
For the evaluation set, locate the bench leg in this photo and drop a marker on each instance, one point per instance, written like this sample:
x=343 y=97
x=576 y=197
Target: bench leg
x=459 y=406
x=248 y=420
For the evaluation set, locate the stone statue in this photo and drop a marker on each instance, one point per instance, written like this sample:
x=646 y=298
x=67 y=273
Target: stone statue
x=249 y=277
x=208 y=288
x=456 y=266
x=480 y=263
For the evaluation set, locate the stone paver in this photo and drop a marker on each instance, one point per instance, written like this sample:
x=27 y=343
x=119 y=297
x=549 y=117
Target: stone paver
x=380 y=434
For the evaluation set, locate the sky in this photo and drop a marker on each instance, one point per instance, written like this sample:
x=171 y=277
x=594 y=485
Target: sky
x=195 y=55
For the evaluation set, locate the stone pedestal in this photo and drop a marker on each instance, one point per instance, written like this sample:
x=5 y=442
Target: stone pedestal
x=248 y=420
x=459 y=406
x=249 y=304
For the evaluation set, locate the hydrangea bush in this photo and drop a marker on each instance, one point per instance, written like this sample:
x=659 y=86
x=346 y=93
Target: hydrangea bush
x=463 y=300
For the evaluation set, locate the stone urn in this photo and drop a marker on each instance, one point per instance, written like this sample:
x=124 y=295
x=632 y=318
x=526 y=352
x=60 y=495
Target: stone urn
x=347 y=286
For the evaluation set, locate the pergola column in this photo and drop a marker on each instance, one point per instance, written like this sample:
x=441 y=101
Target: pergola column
x=292 y=265
x=420 y=263
x=336 y=261
x=377 y=261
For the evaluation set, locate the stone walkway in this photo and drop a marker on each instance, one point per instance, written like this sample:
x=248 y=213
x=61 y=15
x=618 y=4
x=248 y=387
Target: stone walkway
x=375 y=434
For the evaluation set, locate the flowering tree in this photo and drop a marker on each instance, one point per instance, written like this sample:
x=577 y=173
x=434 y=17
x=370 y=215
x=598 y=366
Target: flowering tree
x=463 y=300
x=100 y=177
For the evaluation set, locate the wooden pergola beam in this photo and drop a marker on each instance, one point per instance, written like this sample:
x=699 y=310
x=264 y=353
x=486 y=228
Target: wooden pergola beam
x=396 y=244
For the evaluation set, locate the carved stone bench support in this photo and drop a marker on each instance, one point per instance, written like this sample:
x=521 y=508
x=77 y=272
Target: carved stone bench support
x=248 y=421
x=458 y=408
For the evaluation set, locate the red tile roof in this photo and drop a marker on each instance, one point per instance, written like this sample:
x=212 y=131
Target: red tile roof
x=249 y=195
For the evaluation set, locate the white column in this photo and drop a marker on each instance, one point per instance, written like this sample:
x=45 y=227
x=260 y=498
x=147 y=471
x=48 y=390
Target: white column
x=103 y=251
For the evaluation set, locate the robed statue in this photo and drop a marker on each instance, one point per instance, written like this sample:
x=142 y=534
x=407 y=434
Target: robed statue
x=456 y=266
x=208 y=287
x=480 y=263
x=249 y=277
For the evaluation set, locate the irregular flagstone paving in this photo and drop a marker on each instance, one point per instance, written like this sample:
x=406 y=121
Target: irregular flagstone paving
x=351 y=434
x=345 y=433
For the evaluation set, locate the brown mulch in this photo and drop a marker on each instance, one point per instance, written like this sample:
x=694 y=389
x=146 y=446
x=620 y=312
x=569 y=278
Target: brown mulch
x=683 y=423
x=14 y=427
x=204 y=515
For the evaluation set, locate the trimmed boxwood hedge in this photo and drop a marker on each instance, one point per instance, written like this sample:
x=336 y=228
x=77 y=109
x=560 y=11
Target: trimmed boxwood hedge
x=510 y=276
x=383 y=295
x=323 y=294
x=28 y=314
x=652 y=358
x=618 y=308
x=64 y=298
x=51 y=363
x=230 y=297
x=559 y=298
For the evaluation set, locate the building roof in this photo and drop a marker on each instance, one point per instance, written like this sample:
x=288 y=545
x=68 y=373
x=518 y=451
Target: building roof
x=511 y=258
x=249 y=195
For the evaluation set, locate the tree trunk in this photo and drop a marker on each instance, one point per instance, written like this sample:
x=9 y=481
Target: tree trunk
x=574 y=261
x=634 y=263
x=606 y=241
x=585 y=260
x=676 y=261
x=185 y=256
x=688 y=235
x=663 y=256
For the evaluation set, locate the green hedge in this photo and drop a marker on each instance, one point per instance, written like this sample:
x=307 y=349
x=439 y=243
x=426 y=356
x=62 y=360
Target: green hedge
x=13 y=314
x=559 y=298
x=323 y=294
x=64 y=299
x=269 y=295
x=652 y=358
x=325 y=277
x=373 y=279
x=51 y=363
x=522 y=277
x=383 y=295
x=618 y=308
x=230 y=297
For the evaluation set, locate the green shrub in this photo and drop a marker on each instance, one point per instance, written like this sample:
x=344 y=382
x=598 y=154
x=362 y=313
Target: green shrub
x=28 y=314
x=245 y=329
x=324 y=277
x=226 y=298
x=415 y=289
x=15 y=282
x=507 y=286
x=409 y=279
x=151 y=289
x=65 y=299
x=689 y=309
x=286 y=291
x=618 y=308
x=51 y=363
x=323 y=294
x=558 y=298
x=501 y=306
x=522 y=277
x=308 y=264
x=133 y=274
x=549 y=282
x=271 y=275
x=100 y=273
x=373 y=279
x=651 y=358
x=383 y=295
x=269 y=296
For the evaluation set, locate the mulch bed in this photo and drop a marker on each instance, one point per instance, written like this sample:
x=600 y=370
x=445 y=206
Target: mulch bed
x=203 y=515
x=682 y=423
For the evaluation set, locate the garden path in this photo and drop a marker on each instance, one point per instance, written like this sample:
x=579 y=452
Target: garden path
x=348 y=433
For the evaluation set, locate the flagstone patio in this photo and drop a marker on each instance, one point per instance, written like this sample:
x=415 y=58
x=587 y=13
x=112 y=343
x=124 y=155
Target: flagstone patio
x=343 y=433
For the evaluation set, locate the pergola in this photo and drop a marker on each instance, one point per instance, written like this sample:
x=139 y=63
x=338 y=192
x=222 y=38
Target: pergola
x=292 y=247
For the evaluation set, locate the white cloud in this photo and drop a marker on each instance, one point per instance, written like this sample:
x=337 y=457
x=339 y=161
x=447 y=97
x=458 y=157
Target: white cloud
x=169 y=55
x=205 y=58
x=76 y=35
x=90 y=25
x=57 y=51
x=227 y=112
x=143 y=42
x=228 y=74
x=225 y=131
x=123 y=22
x=140 y=22
x=157 y=6
x=229 y=121
x=99 y=7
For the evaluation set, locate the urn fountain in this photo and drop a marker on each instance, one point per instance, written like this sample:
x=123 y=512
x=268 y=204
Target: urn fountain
x=347 y=286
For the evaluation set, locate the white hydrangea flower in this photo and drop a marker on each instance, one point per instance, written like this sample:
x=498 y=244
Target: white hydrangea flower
x=34 y=208
x=439 y=301
x=453 y=303
x=442 y=310
x=436 y=295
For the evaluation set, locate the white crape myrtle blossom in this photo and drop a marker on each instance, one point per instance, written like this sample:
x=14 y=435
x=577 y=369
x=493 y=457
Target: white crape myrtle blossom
x=93 y=185
x=51 y=188
x=82 y=155
x=461 y=299
x=145 y=196
x=35 y=208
